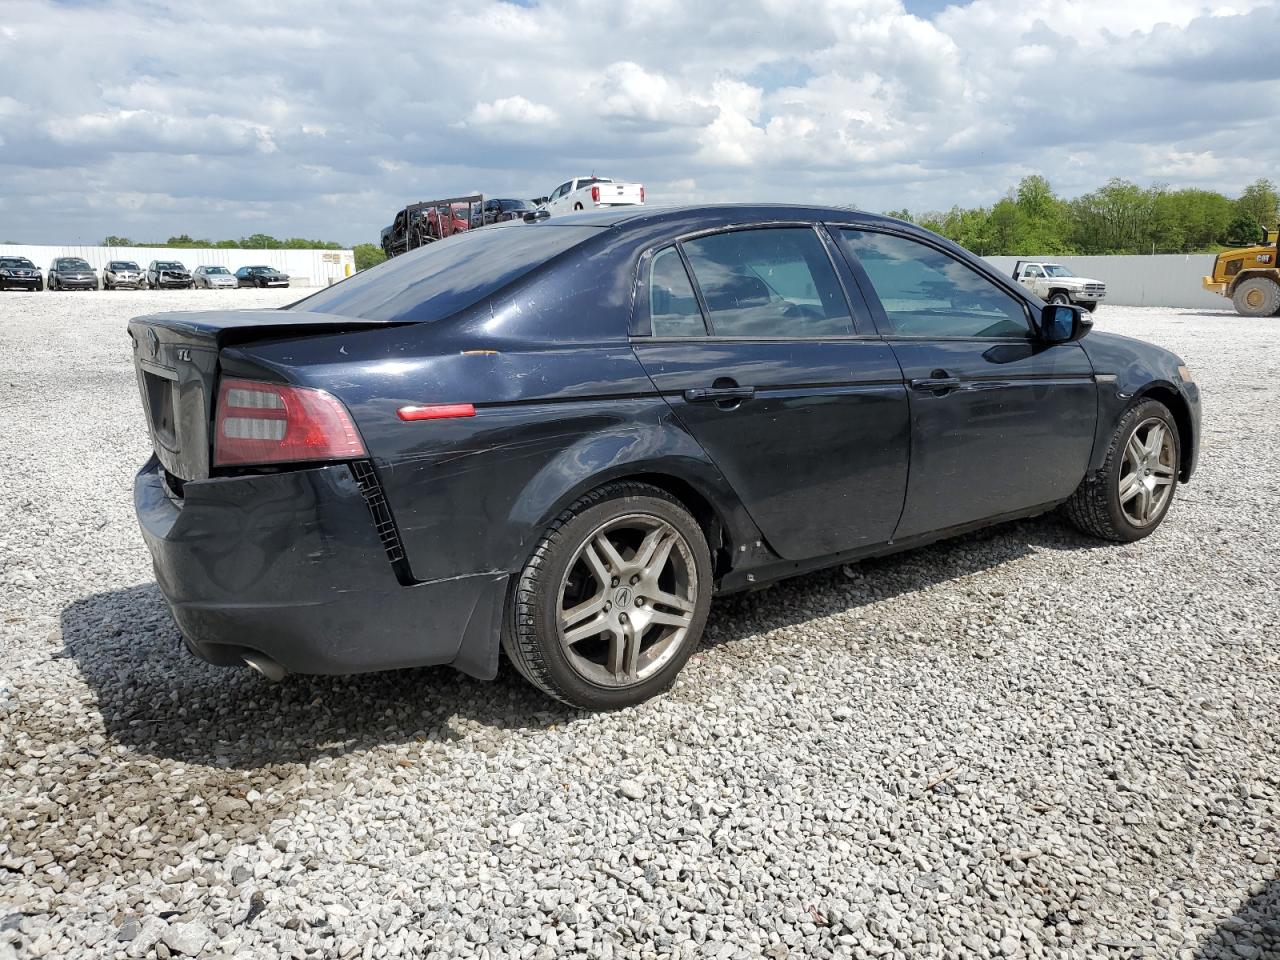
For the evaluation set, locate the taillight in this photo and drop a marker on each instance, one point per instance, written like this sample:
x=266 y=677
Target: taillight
x=273 y=423
x=595 y=194
x=642 y=194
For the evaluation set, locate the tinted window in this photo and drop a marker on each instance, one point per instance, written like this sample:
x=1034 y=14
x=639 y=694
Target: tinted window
x=769 y=283
x=926 y=293
x=444 y=277
x=673 y=307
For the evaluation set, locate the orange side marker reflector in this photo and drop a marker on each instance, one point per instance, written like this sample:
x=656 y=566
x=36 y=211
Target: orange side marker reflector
x=436 y=411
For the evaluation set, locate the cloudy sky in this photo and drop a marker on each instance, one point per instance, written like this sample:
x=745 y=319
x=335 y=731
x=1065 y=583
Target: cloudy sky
x=146 y=118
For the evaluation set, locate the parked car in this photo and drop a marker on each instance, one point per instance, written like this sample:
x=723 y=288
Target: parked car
x=588 y=193
x=1056 y=284
x=21 y=273
x=215 y=278
x=396 y=470
x=72 y=273
x=261 y=277
x=168 y=275
x=430 y=220
x=122 y=273
x=499 y=211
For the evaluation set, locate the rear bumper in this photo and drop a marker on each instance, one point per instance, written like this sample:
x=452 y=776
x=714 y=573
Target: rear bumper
x=289 y=565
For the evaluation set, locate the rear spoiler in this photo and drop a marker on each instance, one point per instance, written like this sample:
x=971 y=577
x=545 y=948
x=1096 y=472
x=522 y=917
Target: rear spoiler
x=223 y=327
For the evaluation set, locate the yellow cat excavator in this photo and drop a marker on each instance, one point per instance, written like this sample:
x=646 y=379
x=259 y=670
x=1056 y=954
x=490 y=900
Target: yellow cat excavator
x=1250 y=276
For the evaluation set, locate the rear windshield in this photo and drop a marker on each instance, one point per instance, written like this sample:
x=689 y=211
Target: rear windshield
x=442 y=278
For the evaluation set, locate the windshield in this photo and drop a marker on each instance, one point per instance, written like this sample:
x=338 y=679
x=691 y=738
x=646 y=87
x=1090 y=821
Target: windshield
x=122 y=265
x=1054 y=270
x=73 y=263
x=442 y=278
x=515 y=205
x=169 y=265
x=16 y=262
x=214 y=269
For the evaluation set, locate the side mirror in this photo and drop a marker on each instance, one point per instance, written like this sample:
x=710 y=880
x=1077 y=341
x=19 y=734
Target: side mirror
x=1061 y=323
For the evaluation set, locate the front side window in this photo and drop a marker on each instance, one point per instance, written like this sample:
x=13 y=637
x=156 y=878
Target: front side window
x=673 y=307
x=927 y=293
x=1033 y=271
x=773 y=282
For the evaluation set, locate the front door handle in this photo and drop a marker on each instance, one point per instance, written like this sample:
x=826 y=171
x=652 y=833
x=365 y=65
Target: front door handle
x=939 y=383
x=719 y=394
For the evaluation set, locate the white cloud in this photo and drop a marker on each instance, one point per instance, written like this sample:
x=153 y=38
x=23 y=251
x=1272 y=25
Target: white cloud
x=326 y=119
x=516 y=109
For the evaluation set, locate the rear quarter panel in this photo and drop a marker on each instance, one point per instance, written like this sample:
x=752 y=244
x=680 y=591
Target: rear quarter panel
x=562 y=405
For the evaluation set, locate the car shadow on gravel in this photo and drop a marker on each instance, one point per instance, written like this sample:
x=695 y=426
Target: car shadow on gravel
x=157 y=699
x=1254 y=930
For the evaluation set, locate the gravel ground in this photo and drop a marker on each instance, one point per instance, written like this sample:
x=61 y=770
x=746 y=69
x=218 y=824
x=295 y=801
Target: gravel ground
x=1020 y=743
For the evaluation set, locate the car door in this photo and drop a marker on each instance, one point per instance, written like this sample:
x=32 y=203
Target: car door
x=1034 y=280
x=558 y=195
x=1001 y=421
x=802 y=409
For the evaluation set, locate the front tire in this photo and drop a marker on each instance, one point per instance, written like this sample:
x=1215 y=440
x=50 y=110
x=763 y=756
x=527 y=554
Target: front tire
x=1129 y=496
x=1091 y=306
x=613 y=600
x=1060 y=298
x=1257 y=297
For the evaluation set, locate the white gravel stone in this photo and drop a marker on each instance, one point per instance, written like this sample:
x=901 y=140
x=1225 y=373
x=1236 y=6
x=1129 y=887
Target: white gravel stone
x=1019 y=743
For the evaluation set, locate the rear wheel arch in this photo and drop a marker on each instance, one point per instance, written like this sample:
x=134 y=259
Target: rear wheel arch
x=695 y=483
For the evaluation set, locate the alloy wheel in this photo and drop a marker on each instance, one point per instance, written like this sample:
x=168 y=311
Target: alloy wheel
x=627 y=600
x=1147 y=472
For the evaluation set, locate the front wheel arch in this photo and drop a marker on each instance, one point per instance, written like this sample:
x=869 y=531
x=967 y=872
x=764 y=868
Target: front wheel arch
x=1177 y=406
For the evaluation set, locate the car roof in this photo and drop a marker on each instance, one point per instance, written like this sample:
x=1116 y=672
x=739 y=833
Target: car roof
x=715 y=213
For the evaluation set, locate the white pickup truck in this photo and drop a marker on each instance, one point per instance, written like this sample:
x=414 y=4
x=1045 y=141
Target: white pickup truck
x=590 y=193
x=1054 y=283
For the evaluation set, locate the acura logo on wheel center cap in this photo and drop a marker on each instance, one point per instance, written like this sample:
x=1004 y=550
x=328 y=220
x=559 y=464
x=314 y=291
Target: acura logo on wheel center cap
x=623 y=597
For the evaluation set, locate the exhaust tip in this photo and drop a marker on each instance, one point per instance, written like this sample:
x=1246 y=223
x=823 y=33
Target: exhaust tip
x=265 y=667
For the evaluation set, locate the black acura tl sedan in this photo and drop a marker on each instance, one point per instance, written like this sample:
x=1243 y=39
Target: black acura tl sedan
x=562 y=438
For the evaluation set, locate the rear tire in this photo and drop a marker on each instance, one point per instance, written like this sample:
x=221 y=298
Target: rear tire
x=577 y=206
x=1257 y=297
x=630 y=561
x=1130 y=494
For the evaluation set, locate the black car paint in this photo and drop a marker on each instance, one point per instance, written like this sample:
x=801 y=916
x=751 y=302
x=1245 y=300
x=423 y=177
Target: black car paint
x=571 y=392
x=21 y=273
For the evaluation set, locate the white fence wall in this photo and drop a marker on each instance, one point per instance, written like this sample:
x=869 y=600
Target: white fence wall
x=1163 y=280
x=306 y=268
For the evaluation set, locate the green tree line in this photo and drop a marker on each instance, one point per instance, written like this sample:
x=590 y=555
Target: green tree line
x=1118 y=217
x=257 y=241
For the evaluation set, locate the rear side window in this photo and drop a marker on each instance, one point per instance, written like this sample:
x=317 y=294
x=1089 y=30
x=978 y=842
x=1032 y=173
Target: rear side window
x=774 y=282
x=673 y=307
x=442 y=278
x=927 y=293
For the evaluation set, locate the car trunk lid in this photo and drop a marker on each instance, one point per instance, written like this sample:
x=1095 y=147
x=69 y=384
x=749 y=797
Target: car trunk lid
x=176 y=359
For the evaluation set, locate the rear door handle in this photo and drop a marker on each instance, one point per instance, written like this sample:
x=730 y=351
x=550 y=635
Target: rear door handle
x=718 y=394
